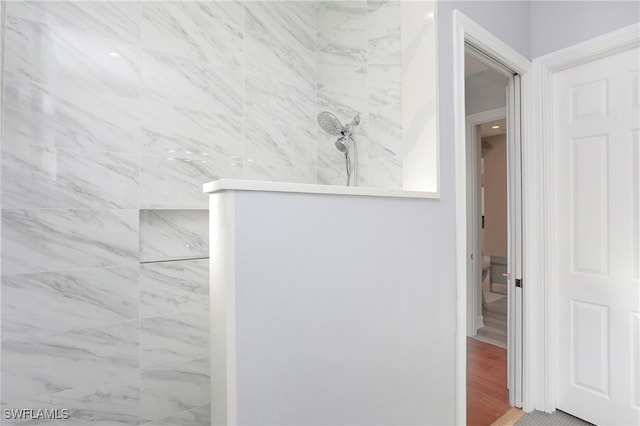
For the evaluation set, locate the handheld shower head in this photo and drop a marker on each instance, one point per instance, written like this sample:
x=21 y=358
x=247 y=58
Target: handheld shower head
x=330 y=123
x=341 y=144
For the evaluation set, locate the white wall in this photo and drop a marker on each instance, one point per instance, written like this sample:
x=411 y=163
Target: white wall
x=558 y=24
x=344 y=309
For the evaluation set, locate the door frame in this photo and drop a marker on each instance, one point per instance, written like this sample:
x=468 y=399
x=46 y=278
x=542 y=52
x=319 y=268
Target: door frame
x=466 y=30
x=474 y=310
x=540 y=314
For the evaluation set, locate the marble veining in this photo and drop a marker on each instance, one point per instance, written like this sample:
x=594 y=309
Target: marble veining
x=62 y=239
x=199 y=416
x=173 y=234
x=341 y=39
x=178 y=132
x=279 y=101
x=116 y=20
x=174 y=339
x=104 y=404
x=111 y=107
x=385 y=173
x=54 y=302
x=43 y=177
x=173 y=182
x=65 y=117
x=170 y=287
x=385 y=134
x=280 y=37
x=171 y=390
x=383 y=23
x=291 y=65
x=45 y=365
x=182 y=82
x=193 y=30
x=276 y=144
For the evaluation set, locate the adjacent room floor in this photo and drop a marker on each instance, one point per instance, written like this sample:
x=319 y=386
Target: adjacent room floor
x=487 y=393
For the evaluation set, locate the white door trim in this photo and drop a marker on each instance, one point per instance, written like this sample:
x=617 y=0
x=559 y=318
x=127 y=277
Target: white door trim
x=540 y=370
x=474 y=314
x=465 y=29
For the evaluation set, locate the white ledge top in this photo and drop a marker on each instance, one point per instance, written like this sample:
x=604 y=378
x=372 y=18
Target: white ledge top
x=307 y=188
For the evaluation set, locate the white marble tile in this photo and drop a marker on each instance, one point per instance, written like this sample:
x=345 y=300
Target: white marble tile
x=383 y=24
x=199 y=416
x=174 y=131
x=54 y=302
x=165 y=392
x=54 y=240
x=67 y=117
x=341 y=39
x=102 y=404
x=269 y=98
x=193 y=30
x=173 y=234
x=42 y=177
x=385 y=133
x=345 y=98
x=331 y=162
x=279 y=145
x=289 y=23
x=176 y=183
x=385 y=173
x=280 y=174
x=384 y=85
x=267 y=62
x=178 y=81
x=118 y=20
x=39 y=366
x=228 y=11
x=63 y=57
x=174 y=339
x=170 y=287
x=280 y=38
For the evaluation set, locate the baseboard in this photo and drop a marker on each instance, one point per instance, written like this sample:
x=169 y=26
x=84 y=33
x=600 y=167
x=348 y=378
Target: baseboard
x=479 y=322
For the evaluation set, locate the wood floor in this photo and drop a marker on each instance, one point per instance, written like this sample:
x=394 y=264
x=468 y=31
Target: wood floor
x=487 y=393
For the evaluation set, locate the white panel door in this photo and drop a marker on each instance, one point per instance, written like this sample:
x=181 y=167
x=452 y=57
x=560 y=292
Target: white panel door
x=596 y=141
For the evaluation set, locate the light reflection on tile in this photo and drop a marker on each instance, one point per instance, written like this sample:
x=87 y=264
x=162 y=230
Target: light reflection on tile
x=173 y=234
x=172 y=182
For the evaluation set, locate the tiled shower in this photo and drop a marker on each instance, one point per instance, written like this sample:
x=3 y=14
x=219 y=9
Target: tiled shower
x=114 y=115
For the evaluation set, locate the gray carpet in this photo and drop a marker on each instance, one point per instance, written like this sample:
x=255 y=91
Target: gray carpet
x=557 y=418
x=495 y=323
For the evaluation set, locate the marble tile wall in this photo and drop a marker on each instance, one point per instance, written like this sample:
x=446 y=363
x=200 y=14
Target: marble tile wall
x=360 y=72
x=114 y=114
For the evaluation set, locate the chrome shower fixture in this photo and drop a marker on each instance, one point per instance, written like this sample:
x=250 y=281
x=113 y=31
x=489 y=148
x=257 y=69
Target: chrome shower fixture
x=330 y=124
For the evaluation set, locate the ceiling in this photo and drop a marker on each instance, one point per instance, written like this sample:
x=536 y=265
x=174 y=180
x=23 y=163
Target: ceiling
x=487 y=131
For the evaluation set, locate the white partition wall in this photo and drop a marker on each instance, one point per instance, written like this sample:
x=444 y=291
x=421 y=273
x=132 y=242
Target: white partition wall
x=330 y=309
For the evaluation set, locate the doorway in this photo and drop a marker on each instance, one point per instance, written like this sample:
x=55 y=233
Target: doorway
x=498 y=55
x=486 y=91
